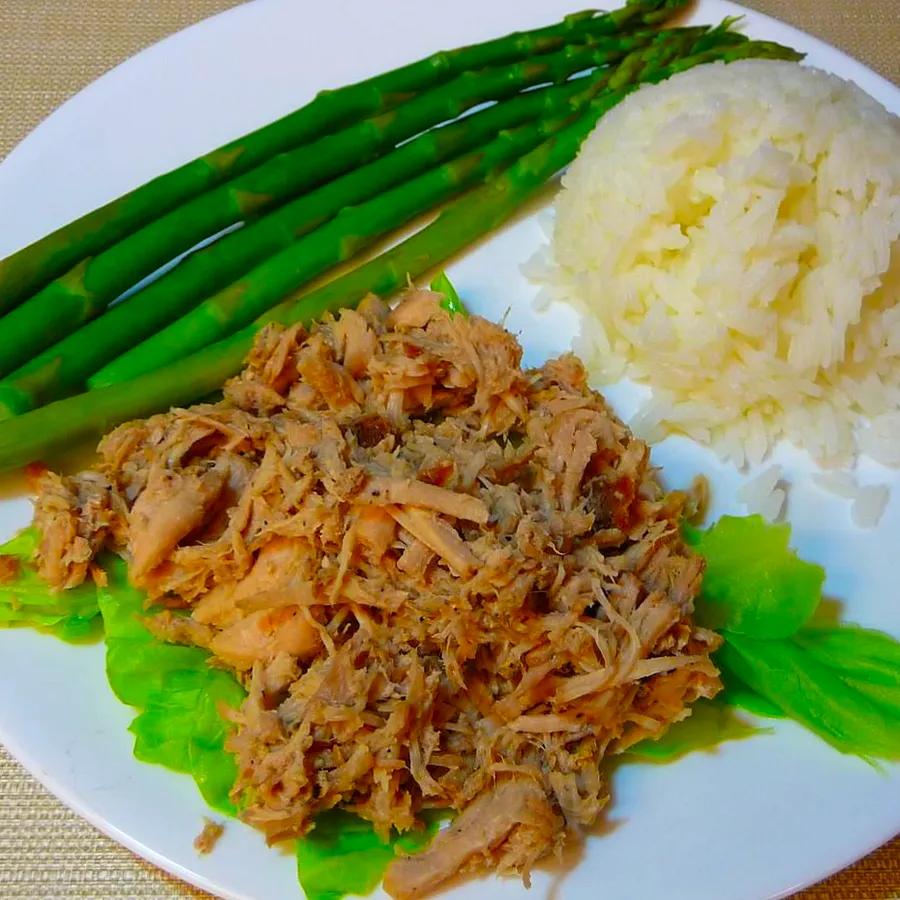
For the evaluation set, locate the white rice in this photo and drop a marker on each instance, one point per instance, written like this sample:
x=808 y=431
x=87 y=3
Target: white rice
x=868 y=505
x=730 y=239
x=765 y=494
x=867 y=502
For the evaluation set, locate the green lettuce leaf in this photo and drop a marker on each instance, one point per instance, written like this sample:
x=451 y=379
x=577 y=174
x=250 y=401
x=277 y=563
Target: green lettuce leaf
x=452 y=302
x=858 y=653
x=842 y=681
x=27 y=601
x=754 y=583
x=343 y=854
x=736 y=693
x=817 y=694
x=180 y=696
x=710 y=723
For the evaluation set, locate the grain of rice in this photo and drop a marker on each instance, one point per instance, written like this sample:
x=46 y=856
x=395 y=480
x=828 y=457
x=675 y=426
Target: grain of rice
x=765 y=494
x=867 y=502
x=869 y=505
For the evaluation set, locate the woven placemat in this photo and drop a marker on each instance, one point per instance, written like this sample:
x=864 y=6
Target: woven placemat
x=51 y=49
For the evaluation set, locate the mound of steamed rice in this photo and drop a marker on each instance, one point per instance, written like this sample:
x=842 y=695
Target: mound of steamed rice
x=730 y=238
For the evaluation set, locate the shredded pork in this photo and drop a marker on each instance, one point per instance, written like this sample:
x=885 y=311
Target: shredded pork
x=446 y=582
x=206 y=841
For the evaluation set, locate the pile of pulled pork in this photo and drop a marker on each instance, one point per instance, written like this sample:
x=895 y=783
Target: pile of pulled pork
x=446 y=582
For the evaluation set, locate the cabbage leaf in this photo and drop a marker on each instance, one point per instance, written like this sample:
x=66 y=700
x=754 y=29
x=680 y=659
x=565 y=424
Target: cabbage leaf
x=816 y=695
x=452 y=302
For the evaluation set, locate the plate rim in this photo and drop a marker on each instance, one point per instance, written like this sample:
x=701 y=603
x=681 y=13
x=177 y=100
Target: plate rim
x=67 y=792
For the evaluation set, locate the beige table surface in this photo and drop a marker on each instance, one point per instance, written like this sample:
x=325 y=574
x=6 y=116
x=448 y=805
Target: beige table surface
x=49 y=49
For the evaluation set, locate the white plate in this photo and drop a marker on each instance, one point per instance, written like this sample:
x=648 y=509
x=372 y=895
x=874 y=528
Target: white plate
x=755 y=819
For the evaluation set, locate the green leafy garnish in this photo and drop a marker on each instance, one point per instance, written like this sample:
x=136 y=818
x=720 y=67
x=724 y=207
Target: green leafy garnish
x=179 y=695
x=25 y=600
x=736 y=693
x=816 y=695
x=343 y=854
x=754 y=583
x=860 y=654
x=710 y=723
x=452 y=302
x=842 y=681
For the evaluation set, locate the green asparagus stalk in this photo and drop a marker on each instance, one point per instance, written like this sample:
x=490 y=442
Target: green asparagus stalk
x=353 y=230
x=462 y=222
x=81 y=294
x=57 y=424
x=28 y=270
x=64 y=367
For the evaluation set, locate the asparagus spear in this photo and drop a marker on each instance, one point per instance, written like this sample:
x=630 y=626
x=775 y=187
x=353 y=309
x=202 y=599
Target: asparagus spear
x=57 y=424
x=64 y=367
x=29 y=269
x=463 y=221
x=354 y=229
x=86 y=290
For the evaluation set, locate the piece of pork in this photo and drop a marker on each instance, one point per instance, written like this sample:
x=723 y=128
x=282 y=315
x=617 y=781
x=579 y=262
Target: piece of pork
x=76 y=518
x=410 y=492
x=171 y=506
x=508 y=827
x=263 y=634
